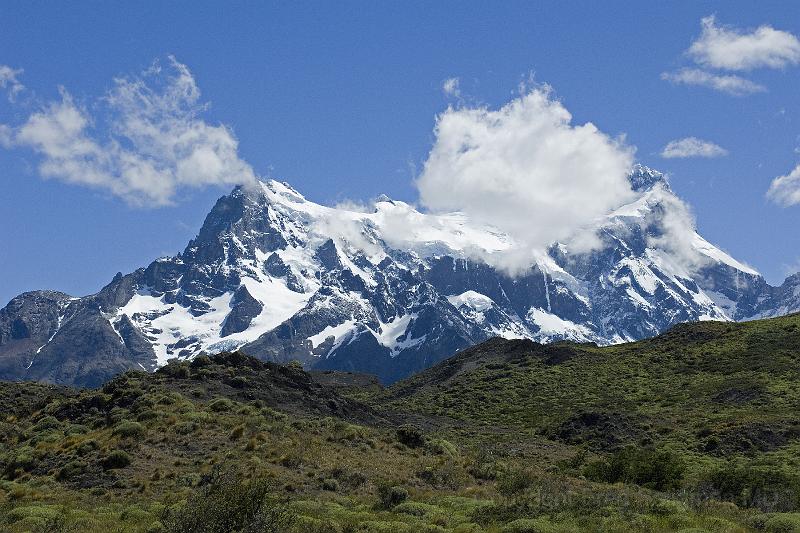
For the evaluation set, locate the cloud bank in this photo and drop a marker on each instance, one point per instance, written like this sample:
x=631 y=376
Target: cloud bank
x=525 y=169
x=692 y=147
x=146 y=141
x=727 y=48
x=785 y=190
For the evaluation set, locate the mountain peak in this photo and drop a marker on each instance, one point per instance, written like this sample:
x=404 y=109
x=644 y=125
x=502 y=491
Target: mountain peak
x=643 y=178
x=388 y=292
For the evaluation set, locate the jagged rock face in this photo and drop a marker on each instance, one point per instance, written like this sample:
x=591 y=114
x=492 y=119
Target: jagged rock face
x=244 y=308
x=283 y=278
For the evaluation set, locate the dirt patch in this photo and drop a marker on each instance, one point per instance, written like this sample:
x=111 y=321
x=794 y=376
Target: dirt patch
x=739 y=395
x=599 y=431
x=751 y=438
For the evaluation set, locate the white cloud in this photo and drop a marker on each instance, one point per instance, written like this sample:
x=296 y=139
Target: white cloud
x=5 y=136
x=792 y=268
x=785 y=190
x=731 y=84
x=526 y=170
x=451 y=87
x=692 y=147
x=8 y=80
x=152 y=143
x=727 y=48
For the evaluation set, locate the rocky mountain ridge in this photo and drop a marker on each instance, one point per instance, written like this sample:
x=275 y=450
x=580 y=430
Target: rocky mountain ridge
x=388 y=291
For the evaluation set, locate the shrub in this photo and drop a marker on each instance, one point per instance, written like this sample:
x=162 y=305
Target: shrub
x=330 y=484
x=128 y=429
x=526 y=525
x=410 y=435
x=200 y=361
x=783 y=523
x=514 y=483
x=225 y=502
x=392 y=495
x=442 y=447
x=116 y=459
x=238 y=382
x=220 y=404
x=184 y=428
x=86 y=447
x=71 y=470
x=767 y=489
x=237 y=433
x=445 y=473
x=147 y=414
x=653 y=469
x=23 y=459
x=47 y=422
x=294 y=366
x=484 y=467
x=175 y=370
x=155 y=527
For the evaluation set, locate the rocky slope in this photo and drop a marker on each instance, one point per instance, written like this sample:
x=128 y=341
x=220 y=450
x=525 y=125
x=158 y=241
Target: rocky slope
x=388 y=291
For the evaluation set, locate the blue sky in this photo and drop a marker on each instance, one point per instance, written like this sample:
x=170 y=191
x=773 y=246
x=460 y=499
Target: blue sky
x=341 y=99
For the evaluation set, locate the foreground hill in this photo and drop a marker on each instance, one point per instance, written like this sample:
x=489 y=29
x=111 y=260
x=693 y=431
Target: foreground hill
x=694 y=430
x=388 y=291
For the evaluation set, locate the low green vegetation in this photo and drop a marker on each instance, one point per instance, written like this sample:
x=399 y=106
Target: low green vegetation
x=697 y=430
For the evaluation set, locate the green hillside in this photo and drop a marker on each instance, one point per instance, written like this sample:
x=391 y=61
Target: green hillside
x=695 y=430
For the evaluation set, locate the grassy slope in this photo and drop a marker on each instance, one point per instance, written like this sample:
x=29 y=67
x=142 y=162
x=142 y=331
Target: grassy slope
x=706 y=390
x=525 y=426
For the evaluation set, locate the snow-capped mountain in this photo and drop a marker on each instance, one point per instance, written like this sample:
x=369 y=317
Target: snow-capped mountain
x=389 y=290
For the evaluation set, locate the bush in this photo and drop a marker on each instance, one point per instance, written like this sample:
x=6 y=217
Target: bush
x=22 y=459
x=175 y=370
x=236 y=433
x=71 y=470
x=200 y=361
x=238 y=382
x=330 y=484
x=445 y=473
x=515 y=483
x=294 y=366
x=653 y=469
x=128 y=429
x=410 y=435
x=147 y=414
x=47 y=422
x=442 y=447
x=392 y=495
x=220 y=404
x=225 y=502
x=783 y=523
x=527 y=525
x=767 y=489
x=86 y=447
x=116 y=459
x=184 y=428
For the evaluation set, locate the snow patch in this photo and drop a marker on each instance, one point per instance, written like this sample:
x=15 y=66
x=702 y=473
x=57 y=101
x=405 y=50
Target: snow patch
x=471 y=299
x=552 y=327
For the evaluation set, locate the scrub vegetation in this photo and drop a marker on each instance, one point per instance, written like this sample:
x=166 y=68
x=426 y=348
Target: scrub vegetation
x=695 y=430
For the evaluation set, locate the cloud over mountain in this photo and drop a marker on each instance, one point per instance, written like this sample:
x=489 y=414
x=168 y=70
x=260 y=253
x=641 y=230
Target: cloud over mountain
x=525 y=168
